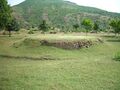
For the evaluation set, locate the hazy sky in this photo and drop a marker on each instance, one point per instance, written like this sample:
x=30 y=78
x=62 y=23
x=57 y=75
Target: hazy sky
x=14 y=2
x=109 y=5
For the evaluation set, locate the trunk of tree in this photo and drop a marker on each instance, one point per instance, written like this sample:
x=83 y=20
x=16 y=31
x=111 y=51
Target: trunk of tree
x=86 y=33
x=9 y=33
x=115 y=34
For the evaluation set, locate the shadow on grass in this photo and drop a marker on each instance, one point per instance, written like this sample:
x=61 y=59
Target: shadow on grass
x=42 y=58
x=109 y=36
x=113 y=40
x=29 y=58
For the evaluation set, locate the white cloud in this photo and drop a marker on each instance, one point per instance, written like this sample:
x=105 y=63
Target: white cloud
x=109 y=5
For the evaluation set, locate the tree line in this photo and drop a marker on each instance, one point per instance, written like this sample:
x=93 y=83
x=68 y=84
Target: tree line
x=88 y=24
x=9 y=23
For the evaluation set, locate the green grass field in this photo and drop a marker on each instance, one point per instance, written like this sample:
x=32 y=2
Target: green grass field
x=90 y=68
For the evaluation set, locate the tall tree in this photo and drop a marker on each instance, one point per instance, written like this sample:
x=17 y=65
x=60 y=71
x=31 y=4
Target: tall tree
x=43 y=27
x=76 y=26
x=115 y=24
x=5 y=14
x=12 y=26
x=88 y=24
x=96 y=27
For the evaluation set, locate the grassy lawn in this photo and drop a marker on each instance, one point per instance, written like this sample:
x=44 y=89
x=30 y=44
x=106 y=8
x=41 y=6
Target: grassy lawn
x=83 y=69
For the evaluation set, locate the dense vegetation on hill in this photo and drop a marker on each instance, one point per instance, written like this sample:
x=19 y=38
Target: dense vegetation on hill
x=59 y=13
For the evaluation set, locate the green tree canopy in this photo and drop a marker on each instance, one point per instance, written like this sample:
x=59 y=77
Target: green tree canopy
x=96 y=27
x=115 y=24
x=43 y=27
x=12 y=26
x=5 y=14
x=76 y=26
x=88 y=24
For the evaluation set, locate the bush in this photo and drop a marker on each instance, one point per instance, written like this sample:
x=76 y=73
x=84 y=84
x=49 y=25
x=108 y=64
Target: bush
x=117 y=56
x=30 y=32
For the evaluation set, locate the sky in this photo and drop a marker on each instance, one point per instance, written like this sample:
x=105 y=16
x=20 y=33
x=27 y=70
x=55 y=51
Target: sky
x=108 y=5
x=14 y=2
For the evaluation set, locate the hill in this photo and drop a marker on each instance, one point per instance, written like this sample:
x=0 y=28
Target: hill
x=58 y=13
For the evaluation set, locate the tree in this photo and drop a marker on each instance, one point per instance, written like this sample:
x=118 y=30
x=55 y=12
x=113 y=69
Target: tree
x=12 y=26
x=115 y=24
x=5 y=14
x=76 y=26
x=96 y=27
x=43 y=26
x=88 y=24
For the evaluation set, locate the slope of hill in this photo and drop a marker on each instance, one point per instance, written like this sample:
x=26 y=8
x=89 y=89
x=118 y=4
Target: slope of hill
x=58 y=13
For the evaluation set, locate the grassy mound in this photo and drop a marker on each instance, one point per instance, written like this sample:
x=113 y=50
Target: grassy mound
x=59 y=41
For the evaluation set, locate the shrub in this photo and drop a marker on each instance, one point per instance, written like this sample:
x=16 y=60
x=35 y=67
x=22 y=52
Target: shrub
x=117 y=56
x=30 y=32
